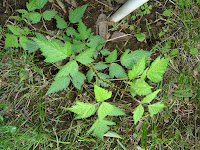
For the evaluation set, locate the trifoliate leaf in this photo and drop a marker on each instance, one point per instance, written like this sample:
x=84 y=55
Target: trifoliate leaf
x=49 y=14
x=95 y=41
x=59 y=84
x=138 y=113
x=76 y=15
x=150 y=97
x=137 y=69
x=157 y=69
x=128 y=60
x=112 y=134
x=34 y=17
x=101 y=94
x=112 y=57
x=61 y=24
x=100 y=127
x=15 y=30
x=11 y=41
x=85 y=57
x=77 y=46
x=103 y=76
x=140 y=37
x=100 y=66
x=83 y=110
x=84 y=33
x=53 y=51
x=78 y=80
x=89 y=75
x=104 y=110
x=155 y=108
x=70 y=68
x=117 y=71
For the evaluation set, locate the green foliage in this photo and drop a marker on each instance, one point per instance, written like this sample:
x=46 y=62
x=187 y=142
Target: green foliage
x=11 y=41
x=49 y=14
x=155 y=108
x=120 y=73
x=193 y=51
x=138 y=113
x=101 y=94
x=112 y=57
x=61 y=24
x=167 y=13
x=140 y=37
x=85 y=57
x=76 y=15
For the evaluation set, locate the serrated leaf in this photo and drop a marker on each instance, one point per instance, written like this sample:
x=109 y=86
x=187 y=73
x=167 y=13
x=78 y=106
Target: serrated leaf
x=76 y=15
x=138 y=113
x=23 y=40
x=11 y=41
x=155 y=108
x=78 y=80
x=112 y=57
x=112 y=134
x=31 y=46
x=150 y=97
x=105 y=52
x=101 y=94
x=89 y=75
x=103 y=76
x=84 y=33
x=128 y=60
x=53 y=51
x=84 y=110
x=49 y=14
x=77 y=46
x=100 y=127
x=71 y=31
x=137 y=69
x=15 y=30
x=117 y=71
x=100 y=66
x=116 y=112
x=85 y=57
x=59 y=84
x=157 y=69
x=34 y=17
x=70 y=68
x=104 y=110
x=31 y=5
x=60 y=23
x=40 y=3
x=95 y=41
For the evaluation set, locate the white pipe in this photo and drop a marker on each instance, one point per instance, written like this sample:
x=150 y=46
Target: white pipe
x=126 y=9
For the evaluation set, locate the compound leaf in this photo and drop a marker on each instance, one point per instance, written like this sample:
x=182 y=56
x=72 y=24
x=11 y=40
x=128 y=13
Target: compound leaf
x=157 y=69
x=155 y=108
x=84 y=33
x=61 y=24
x=34 y=17
x=137 y=69
x=83 y=110
x=112 y=57
x=150 y=97
x=76 y=15
x=117 y=71
x=78 y=80
x=101 y=94
x=49 y=14
x=85 y=57
x=104 y=110
x=100 y=127
x=59 y=84
x=53 y=50
x=95 y=41
x=138 y=113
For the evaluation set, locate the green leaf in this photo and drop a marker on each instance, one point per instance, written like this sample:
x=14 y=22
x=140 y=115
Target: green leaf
x=84 y=33
x=71 y=31
x=59 y=84
x=40 y=3
x=70 y=68
x=11 y=41
x=100 y=66
x=137 y=69
x=174 y=52
x=95 y=41
x=104 y=110
x=34 y=17
x=83 y=110
x=105 y=52
x=76 y=15
x=77 y=46
x=167 y=13
x=31 y=46
x=15 y=30
x=78 y=80
x=103 y=76
x=193 y=51
x=138 y=113
x=140 y=37
x=150 y=97
x=23 y=40
x=100 y=127
x=155 y=108
x=157 y=69
x=53 y=51
x=31 y=5
x=49 y=14
x=101 y=94
x=128 y=60
x=116 y=112
x=112 y=57
x=112 y=134
x=85 y=57
x=61 y=24
x=117 y=71
x=89 y=75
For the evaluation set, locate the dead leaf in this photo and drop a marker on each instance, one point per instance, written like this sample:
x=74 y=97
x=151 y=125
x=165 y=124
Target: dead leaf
x=72 y=2
x=119 y=36
x=51 y=1
x=195 y=71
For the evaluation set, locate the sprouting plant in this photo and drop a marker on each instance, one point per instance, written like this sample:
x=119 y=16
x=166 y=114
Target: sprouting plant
x=145 y=9
x=80 y=48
